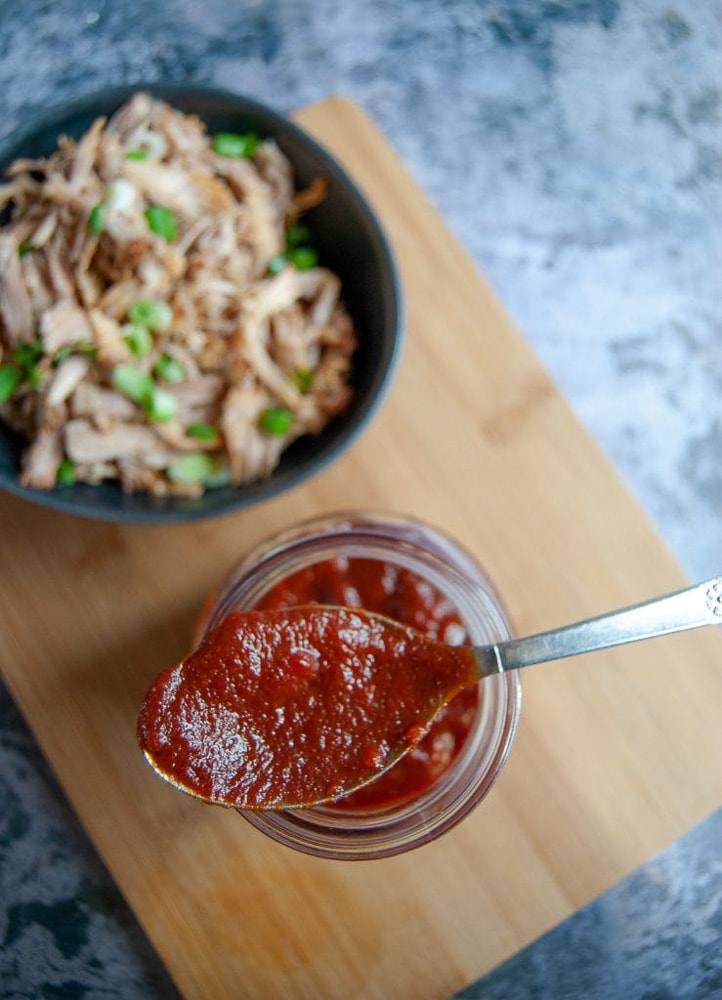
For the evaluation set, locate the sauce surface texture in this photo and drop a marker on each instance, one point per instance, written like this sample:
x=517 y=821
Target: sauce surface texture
x=403 y=595
x=286 y=705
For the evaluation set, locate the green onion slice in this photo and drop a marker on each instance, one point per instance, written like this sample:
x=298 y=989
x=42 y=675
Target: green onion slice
x=276 y=420
x=95 y=219
x=303 y=380
x=27 y=357
x=162 y=222
x=203 y=432
x=235 y=145
x=136 y=154
x=10 y=379
x=80 y=347
x=160 y=406
x=304 y=258
x=65 y=476
x=169 y=369
x=138 y=339
x=199 y=467
x=153 y=313
x=25 y=248
x=276 y=264
x=133 y=383
x=62 y=355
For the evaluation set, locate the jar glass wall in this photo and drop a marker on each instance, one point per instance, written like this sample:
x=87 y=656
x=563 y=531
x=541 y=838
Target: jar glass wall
x=365 y=833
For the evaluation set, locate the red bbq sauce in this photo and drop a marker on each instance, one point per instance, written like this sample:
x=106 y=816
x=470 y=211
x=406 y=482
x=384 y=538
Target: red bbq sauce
x=278 y=705
x=400 y=594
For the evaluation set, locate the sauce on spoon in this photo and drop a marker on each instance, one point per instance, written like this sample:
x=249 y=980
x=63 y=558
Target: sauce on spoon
x=403 y=595
x=280 y=709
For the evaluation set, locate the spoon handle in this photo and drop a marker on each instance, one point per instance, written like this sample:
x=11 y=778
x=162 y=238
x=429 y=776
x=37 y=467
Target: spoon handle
x=685 y=609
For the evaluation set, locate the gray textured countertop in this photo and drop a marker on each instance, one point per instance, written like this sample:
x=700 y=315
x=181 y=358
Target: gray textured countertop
x=575 y=148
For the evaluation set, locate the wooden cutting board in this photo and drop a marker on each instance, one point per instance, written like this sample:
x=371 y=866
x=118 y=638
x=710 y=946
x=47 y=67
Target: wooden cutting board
x=617 y=754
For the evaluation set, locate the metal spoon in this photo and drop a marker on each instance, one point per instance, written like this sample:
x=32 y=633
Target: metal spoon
x=292 y=708
x=684 y=609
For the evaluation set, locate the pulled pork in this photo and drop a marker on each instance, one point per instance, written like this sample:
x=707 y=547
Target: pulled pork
x=163 y=321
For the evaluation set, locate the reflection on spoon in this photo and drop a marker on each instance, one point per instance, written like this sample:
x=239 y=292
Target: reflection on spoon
x=281 y=709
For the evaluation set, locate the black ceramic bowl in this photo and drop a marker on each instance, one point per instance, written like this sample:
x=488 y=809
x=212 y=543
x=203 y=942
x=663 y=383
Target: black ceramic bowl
x=349 y=240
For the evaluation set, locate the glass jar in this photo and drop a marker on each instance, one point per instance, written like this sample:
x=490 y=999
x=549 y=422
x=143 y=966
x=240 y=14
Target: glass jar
x=368 y=833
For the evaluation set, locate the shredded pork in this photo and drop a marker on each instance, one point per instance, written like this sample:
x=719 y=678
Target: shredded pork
x=157 y=325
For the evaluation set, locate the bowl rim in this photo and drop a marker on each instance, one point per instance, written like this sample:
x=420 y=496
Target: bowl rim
x=172 y=510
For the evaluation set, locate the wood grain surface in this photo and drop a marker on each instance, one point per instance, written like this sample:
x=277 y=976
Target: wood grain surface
x=617 y=753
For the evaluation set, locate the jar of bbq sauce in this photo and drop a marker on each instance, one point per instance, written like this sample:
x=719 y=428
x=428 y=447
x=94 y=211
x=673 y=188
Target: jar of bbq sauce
x=416 y=574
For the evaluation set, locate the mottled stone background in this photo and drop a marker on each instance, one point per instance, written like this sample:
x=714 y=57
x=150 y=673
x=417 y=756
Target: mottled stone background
x=575 y=148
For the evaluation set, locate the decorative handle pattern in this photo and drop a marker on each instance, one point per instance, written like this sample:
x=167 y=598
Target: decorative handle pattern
x=714 y=597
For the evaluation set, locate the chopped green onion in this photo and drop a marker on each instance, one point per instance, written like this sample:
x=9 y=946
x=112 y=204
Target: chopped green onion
x=95 y=219
x=297 y=235
x=65 y=476
x=25 y=248
x=304 y=258
x=89 y=350
x=153 y=313
x=160 y=405
x=276 y=420
x=27 y=357
x=303 y=379
x=138 y=339
x=200 y=467
x=137 y=385
x=162 y=222
x=276 y=264
x=62 y=355
x=169 y=369
x=195 y=467
x=204 y=432
x=133 y=383
x=235 y=145
x=10 y=379
x=137 y=154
